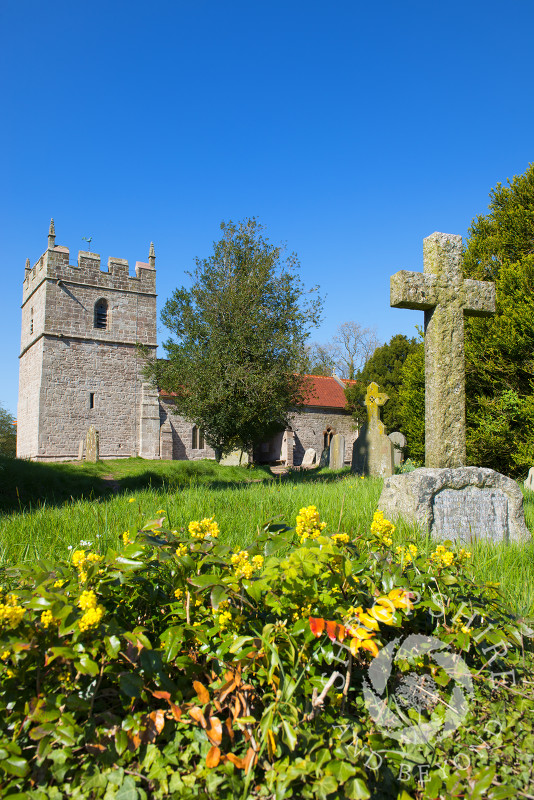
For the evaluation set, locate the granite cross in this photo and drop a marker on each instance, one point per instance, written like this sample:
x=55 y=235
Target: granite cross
x=445 y=296
x=373 y=400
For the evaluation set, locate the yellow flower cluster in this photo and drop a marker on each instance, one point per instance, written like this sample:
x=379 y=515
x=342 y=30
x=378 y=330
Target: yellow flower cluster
x=4 y=655
x=365 y=623
x=382 y=529
x=243 y=566
x=181 y=550
x=10 y=611
x=442 y=557
x=58 y=584
x=206 y=527
x=309 y=525
x=405 y=555
x=340 y=538
x=82 y=561
x=126 y=538
x=93 y=613
x=47 y=618
x=225 y=617
x=179 y=594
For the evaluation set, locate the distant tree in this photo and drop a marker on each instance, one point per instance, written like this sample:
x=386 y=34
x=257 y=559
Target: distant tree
x=239 y=339
x=385 y=368
x=353 y=346
x=8 y=434
x=320 y=359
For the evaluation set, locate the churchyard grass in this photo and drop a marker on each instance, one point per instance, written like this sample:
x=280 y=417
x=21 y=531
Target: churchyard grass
x=241 y=500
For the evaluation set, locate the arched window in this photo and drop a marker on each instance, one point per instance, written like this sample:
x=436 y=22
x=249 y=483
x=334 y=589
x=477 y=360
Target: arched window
x=197 y=438
x=101 y=314
x=327 y=436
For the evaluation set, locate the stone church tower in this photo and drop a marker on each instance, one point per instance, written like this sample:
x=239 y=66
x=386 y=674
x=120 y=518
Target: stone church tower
x=79 y=364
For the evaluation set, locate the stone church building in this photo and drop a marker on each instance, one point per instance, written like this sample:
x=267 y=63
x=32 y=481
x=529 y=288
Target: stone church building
x=80 y=367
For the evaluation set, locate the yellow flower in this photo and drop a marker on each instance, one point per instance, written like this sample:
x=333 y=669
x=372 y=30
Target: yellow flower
x=59 y=584
x=309 y=525
x=91 y=618
x=206 y=527
x=405 y=555
x=5 y=655
x=87 y=600
x=340 y=538
x=10 y=612
x=126 y=538
x=131 y=500
x=179 y=593
x=47 y=618
x=181 y=550
x=160 y=511
x=224 y=619
x=442 y=557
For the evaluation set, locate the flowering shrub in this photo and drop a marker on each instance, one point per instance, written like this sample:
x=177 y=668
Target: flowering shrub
x=175 y=667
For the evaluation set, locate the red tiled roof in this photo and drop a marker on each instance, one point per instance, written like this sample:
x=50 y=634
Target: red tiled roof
x=325 y=392
x=319 y=392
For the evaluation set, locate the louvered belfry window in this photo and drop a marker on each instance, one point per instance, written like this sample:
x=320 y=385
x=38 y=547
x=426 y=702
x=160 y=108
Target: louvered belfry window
x=101 y=314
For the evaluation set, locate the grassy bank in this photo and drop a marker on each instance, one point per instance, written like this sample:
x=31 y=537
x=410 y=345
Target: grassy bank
x=64 y=505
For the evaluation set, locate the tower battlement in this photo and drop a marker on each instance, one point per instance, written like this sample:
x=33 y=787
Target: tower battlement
x=54 y=265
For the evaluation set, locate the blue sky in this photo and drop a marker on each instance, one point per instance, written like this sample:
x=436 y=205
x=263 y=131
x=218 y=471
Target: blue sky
x=351 y=130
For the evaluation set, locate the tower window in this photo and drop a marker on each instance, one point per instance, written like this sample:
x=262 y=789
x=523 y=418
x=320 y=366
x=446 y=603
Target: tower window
x=101 y=314
x=31 y=321
x=197 y=437
x=91 y=399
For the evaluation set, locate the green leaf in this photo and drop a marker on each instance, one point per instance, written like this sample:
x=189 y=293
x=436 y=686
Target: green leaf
x=356 y=789
x=15 y=766
x=113 y=646
x=204 y=581
x=86 y=666
x=131 y=684
x=239 y=642
x=290 y=734
x=171 y=640
x=127 y=791
x=218 y=595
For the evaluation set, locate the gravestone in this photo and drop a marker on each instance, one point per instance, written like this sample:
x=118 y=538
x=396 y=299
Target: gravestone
x=399 y=443
x=310 y=457
x=529 y=482
x=91 y=445
x=446 y=498
x=236 y=458
x=337 y=451
x=324 y=461
x=80 y=450
x=372 y=452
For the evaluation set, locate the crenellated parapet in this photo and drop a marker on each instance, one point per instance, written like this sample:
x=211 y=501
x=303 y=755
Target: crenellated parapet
x=54 y=265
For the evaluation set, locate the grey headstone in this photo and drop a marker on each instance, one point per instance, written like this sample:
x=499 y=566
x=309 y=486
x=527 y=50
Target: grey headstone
x=399 y=444
x=237 y=458
x=337 y=451
x=80 y=450
x=325 y=457
x=529 y=482
x=310 y=457
x=91 y=445
x=372 y=452
x=462 y=503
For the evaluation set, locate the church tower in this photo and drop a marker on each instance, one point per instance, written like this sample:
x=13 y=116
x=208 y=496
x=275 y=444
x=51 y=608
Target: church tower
x=79 y=361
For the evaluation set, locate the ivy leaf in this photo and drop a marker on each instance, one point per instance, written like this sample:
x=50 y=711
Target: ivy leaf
x=131 y=684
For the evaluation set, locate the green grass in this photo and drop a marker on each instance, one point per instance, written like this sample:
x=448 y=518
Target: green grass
x=62 y=505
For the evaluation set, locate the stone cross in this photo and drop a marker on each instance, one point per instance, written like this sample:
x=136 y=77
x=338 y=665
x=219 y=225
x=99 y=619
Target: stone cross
x=373 y=400
x=445 y=296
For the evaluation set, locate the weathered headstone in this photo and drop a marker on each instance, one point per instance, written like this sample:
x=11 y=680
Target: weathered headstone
x=237 y=458
x=149 y=422
x=372 y=452
x=337 y=451
x=80 y=450
x=91 y=445
x=310 y=457
x=448 y=499
x=445 y=297
x=324 y=461
x=461 y=503
x=399 y=443
x=165 y=441
x=529 y=482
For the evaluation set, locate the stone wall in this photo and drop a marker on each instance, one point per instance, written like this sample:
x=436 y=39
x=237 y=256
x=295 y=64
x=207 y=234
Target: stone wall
x=182 y=435
x=309 y=426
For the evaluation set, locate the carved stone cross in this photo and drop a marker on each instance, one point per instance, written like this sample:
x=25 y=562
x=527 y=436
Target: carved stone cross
x=373 y=400
x=443 y=294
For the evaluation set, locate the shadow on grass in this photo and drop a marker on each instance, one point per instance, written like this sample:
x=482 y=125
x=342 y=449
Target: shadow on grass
x=26 y=485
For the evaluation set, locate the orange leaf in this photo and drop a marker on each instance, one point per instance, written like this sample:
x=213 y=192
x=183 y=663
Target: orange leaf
x=176 y=711
x=155 y=722
x=271 y=744
x=214 y=731
x=202 y=692
x=317 y=625
x=229 y=728
x=369 y=644
x=160 y=695
x=335 y=631
x=236 y=761
x=213 y=757
x=250 y=759
x=196 y=713
x=228 y=687
x=134 y=741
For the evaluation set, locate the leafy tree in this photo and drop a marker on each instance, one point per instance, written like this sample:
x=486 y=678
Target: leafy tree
x=319 y=359
x=8 y=434
x=499 y=349
x=240 y=333
x=411 y=401
x=385 y=368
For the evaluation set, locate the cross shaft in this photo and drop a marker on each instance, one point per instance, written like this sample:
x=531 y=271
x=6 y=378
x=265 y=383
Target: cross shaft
x=445 y=296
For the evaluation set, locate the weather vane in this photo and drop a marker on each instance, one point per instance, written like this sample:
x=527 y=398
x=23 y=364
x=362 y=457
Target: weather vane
x=88 y=240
